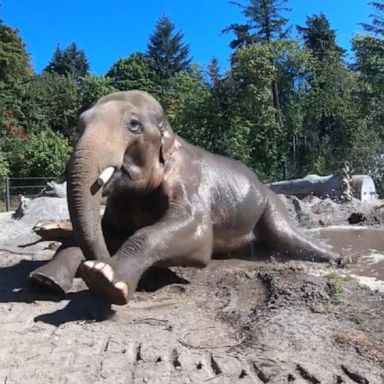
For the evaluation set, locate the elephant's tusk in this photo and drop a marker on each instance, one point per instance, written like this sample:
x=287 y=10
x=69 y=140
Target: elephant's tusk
x=105 y=176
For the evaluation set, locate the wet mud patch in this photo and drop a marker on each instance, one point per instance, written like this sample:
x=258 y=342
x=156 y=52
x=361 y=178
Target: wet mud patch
x=363 y=247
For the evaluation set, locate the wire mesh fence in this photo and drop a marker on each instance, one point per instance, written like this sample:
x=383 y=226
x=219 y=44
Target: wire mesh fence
x=13 y=187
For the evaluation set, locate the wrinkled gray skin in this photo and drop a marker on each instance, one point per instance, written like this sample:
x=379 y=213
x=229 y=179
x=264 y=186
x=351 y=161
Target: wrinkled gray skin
x=169 y=203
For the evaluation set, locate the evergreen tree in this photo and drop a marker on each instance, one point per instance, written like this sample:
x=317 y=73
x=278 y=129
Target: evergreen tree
x=70 y=61
x=320 y=39
x=167 y=50
x=265 y=23
x=377 y=25
x=217 y=109
x=254 y=136
x=368 y=140
x=329 y=110
x=369 y=49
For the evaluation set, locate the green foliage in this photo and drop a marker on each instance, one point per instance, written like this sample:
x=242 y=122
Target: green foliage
x=239 y=141
x=60 y=101
x=14 y=61
x=93 y=87
x=4 y=169
x=42 y=154
x=166 y=49
x=368 y=139
x=377 y=26
x=369 y=53
x=69 y=62
x=134 y=72
x=336 y=283
x=253 y=112
x=284 y=107
x=217 y=110
x=320 y=39
x=15 y=75
x=185 y=101
x=327 y=103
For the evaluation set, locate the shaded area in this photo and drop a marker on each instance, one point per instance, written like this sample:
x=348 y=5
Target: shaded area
x=15 y=287
x=156 y=278
x=82 y=306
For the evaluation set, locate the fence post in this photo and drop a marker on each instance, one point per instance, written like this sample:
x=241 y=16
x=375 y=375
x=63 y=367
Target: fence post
x=7 y=195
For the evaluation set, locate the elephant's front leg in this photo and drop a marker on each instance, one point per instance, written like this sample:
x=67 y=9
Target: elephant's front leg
x=176 y=240
x=57 y=274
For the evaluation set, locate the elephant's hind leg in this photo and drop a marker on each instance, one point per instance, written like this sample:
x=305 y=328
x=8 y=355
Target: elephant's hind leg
x=276 y=229
x=58 y=274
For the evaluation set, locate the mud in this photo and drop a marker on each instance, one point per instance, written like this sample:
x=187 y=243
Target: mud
x=236 y=321
x=313 y=212
x=363 y=245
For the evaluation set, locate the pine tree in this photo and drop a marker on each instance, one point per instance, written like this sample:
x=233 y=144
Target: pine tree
x=377 y=26
x=70 y=61
x=265 y=23
x=369 y=49
x=167 y=50
x=320 y=39
x=329 y=111
x=369 y=65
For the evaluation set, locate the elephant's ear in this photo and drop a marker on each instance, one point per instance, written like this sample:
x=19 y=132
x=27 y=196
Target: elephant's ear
x=168 y=142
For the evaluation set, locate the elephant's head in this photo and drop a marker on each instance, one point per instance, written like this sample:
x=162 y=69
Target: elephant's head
x=125 y=137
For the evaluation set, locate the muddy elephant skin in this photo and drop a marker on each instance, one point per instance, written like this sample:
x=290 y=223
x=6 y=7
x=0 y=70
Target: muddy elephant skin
x=169 y=202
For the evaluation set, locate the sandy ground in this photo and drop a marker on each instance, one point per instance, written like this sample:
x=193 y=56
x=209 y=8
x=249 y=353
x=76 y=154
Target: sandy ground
x=236 y=321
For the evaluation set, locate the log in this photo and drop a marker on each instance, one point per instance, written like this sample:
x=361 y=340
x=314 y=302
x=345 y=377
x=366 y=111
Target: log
x=320 y=186
x=333 y=186
x=53 y=229
x=336 y=186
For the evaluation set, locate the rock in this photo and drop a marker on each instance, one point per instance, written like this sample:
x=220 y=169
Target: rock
x=299 y=211
x=356 y=218
x=41 y=208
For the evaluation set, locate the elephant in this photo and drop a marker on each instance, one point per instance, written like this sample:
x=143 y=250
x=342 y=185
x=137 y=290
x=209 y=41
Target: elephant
x=169 y=203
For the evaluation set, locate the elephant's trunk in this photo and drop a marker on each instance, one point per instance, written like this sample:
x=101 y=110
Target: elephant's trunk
x=87 y=163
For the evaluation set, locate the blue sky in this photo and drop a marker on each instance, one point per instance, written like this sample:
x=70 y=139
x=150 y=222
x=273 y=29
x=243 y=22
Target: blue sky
x=110 y=29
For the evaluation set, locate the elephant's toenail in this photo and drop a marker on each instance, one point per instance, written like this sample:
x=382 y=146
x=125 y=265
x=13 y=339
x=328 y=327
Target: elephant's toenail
x=121 y=286
x=89 y=264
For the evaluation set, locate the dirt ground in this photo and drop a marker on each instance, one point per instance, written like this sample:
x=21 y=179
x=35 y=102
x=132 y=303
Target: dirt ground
x=236 y=321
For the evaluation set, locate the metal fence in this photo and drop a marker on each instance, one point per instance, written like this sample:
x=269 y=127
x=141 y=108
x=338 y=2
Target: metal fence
x=13 y=187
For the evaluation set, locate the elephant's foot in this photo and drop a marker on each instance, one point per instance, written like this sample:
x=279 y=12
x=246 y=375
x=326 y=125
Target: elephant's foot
x=101 y=278
x=51 y=283
x=58 y=274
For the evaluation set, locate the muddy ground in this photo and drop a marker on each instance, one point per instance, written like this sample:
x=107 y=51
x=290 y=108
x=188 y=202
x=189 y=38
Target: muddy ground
x=236 y=321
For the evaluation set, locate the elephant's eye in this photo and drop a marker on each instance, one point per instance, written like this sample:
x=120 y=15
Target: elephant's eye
x=134 y=126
